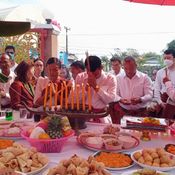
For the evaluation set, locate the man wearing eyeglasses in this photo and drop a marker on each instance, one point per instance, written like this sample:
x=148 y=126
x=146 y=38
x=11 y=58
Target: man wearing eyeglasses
x=10 y=50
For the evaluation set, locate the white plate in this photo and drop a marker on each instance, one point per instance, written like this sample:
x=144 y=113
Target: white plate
x=33 y=172
x=46 y=172
x=82 y=142
x=151 y=167
x=132 y=171
x=115 y=169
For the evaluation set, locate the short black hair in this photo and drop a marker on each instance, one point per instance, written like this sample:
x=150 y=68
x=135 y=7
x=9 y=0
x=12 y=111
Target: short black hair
x=78 y=64
x=38 y=59
x=53 y=60
x=115 y=58
x=94 y=63
x=10 y=47
x=170 y=51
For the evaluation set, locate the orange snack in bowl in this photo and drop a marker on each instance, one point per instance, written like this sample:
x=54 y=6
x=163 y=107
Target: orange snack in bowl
x=5 y=143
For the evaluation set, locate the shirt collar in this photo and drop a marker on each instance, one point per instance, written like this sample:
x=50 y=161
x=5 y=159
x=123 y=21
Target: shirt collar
x=136 y=75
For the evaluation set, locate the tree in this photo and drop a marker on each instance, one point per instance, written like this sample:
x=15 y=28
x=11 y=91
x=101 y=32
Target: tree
x=171 y=45
x=105 y=61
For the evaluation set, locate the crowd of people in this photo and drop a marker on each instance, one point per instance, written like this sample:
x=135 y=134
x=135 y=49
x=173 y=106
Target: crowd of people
x=126 y=90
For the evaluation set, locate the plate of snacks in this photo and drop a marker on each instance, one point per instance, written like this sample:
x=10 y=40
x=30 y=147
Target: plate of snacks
x=170 y=148
x=108 y=142
x=114 y=160
x=154 y=158
x=78 y=165
x=22 y=159
x=144 y=171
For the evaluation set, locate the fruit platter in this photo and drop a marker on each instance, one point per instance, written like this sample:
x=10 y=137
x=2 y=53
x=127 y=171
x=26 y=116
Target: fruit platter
x=23 y=160
x=13 y=129
x=78 y=165
x=144 y=171
x=50 y=134
x=110 y=140
x=154 y=158
x=144 y=123
x=114 y=161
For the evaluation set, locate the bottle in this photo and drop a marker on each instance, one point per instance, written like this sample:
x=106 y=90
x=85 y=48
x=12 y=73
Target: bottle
x=9 y=115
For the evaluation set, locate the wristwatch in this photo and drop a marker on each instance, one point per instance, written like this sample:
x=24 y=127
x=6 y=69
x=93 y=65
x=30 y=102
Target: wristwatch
x=97 y=88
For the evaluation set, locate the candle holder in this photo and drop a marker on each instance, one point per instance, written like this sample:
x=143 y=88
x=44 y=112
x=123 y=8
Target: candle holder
x=77 y=118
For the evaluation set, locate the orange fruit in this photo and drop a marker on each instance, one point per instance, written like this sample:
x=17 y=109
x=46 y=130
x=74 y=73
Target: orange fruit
x=44 y=136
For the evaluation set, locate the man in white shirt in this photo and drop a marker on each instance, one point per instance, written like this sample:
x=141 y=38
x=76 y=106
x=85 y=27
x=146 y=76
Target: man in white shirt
x=10 y=51
x=162 y=87
x=134 y=91
x=5 y=65
x=102 y=85
x=116 y=66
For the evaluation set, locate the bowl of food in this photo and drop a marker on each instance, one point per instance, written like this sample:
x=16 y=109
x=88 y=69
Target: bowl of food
x=154 y=158
x=113 y=160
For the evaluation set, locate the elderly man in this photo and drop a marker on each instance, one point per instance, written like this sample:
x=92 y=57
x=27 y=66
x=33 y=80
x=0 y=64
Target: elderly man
x=134 y=91
x=5 y=65
x=165 y=80
x=102 y=85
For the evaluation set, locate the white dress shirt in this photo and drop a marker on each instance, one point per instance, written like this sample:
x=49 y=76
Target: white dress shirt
x=106 y=93
x=120 y=72
x=159 y=86
x=40 y=86
x=5 y=87
x=139 y=86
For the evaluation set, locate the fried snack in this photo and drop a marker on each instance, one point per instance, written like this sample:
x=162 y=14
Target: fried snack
x=20 y=158
x=78 y=166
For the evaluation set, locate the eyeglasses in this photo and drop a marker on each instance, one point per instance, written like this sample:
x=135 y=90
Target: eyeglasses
x=9 y=52
x=38 y=65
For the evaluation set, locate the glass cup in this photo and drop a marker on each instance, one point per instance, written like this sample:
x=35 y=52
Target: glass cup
x=9 y=114
x=23 y=113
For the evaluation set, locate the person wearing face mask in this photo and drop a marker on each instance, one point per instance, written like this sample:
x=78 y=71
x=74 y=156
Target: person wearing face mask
x=163 y=77
x=10 y=51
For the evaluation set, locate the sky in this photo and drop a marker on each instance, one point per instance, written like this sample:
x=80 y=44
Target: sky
x=103 y=26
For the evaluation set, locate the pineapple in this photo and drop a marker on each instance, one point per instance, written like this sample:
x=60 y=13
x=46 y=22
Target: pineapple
x=54 y=127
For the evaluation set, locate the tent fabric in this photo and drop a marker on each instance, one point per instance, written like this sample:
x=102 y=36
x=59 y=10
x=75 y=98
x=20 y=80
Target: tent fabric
x=158 y=2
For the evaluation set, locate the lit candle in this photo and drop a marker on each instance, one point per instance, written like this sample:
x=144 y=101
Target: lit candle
x=45 y=97
x=56 y=95
x=72 y=98
x=89 y=98
x=66 y=95
x=50 y=103
x=77 y=97
x=61 y=96
x=83 y=97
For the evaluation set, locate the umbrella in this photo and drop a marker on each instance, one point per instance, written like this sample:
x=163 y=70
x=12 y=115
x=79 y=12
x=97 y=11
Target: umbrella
x=158 y=2
x=11 y=28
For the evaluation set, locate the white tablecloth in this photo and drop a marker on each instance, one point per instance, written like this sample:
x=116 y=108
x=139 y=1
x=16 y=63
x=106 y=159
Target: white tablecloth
x=71 y=147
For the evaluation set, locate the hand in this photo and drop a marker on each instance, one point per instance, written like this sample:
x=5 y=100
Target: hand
x=125 y=101
x=3 y=94
x=165 y=79
x=136 y=100
x=92 y=80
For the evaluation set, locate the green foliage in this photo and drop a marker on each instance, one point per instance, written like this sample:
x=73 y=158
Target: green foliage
x=171 y=45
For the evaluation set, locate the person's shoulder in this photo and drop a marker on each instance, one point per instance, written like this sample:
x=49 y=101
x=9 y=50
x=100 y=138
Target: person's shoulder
x=82 y=75
x=160 y=71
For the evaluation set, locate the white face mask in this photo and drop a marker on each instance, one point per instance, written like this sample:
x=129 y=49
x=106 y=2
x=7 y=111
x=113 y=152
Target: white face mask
x=168 y=63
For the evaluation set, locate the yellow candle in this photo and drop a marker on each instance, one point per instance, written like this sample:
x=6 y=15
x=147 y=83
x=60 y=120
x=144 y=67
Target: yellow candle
x=56 y=95
x=83 y=97
x=72 y=98
x=50 y=102
x=61 y=96
x=45 y=97
x=77 y=97
x=66 y=95
x=89 y=98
